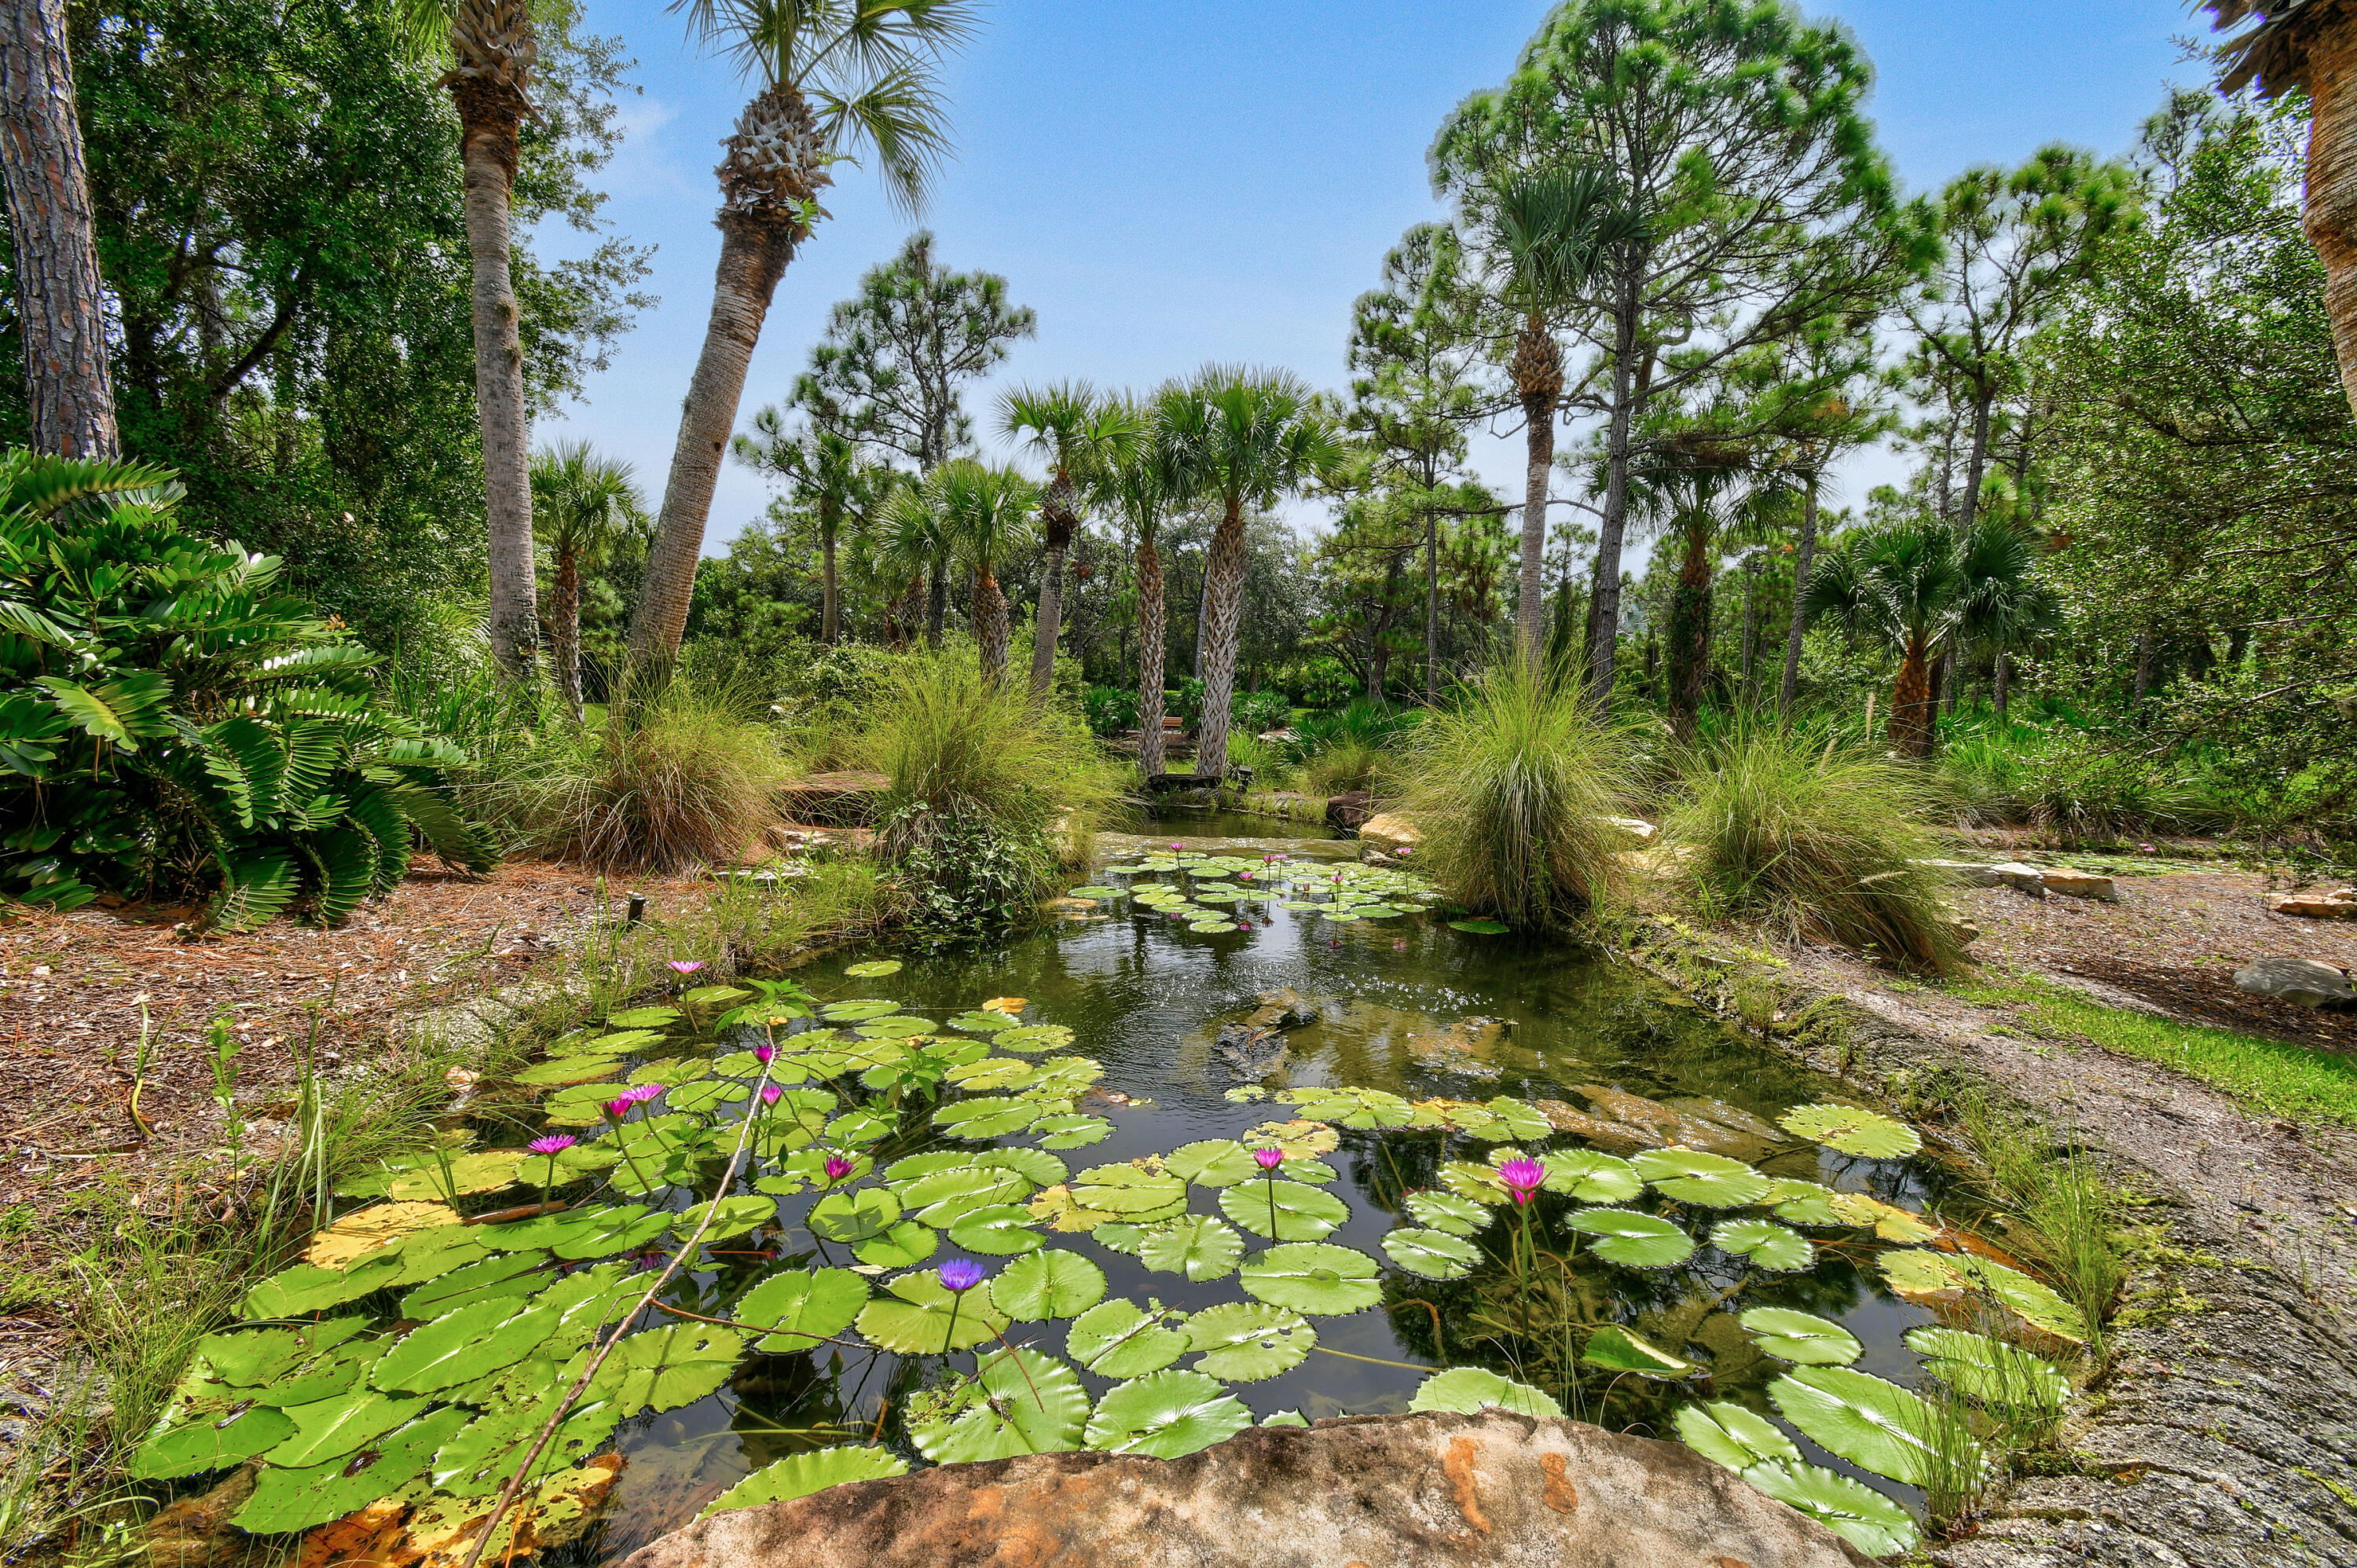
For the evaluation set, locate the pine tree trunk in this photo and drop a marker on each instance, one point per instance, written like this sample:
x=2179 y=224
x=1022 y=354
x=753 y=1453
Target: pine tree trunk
x=1689 y=637
x=1538 y=379
x=565 y=628
x=754 y=251
x=1432 y=610
x=1150 y=659
x=2001 y=681
x=2330 y=216
x=69 y=386
x=1223 y=605
x=1051 y=614
x=489 y=118
x=1911 y=730
x=830 y=614
x=990 y=630
x=1952 y=662
x=1801 y=565
x=1750 y=623
x=1604 y=604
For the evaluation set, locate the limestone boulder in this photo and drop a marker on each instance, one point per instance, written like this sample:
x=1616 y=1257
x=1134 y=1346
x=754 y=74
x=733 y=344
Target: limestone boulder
x=2021 y=878
x=2080 y=884
x=1423 y=1491
x=1390 y=833
x=2316 y=904
x=1633 y=832
x=2304 y=981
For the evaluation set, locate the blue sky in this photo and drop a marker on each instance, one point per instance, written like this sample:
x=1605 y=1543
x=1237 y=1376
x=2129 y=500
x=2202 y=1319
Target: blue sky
x=1171 y=183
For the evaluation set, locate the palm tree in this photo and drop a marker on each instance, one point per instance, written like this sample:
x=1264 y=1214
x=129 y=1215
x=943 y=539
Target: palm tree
x=1142 y=484
x=491 y=49
x=589 y=505
x=1915 y=587
x=2311 y=45
x=1547 y=231
x=1695 y=489
x=837 y=75
x=1076 y=432
x=910 y=537
x=988 y=513
x=69 y=386
x=2007 y=608
x=827 y=477
x=1240 y=437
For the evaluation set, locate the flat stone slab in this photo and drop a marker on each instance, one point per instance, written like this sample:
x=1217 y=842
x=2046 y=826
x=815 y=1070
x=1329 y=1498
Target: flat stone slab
x=2338 y=904
x=1420 y=1491
x=2304 y=981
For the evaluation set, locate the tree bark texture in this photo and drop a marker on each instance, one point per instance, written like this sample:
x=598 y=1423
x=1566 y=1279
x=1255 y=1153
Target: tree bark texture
x=1432 y=610
x=565 y=628
x=1058 y=520
x=488 y=149
x=1150 y=657
x=1952 y=664
x=69 y=387
x=1689 y=639
x=2330 y=214
x=1223 y=606
x=1801 y=565
x=990 y=626
x=830 y=614
x=754 y=251
x=1912 y=703
x=1538 y=378
x=1604 y=612
x=937 y=603
x=2001 y=681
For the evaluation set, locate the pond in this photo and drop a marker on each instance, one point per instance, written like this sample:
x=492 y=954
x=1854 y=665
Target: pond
x=1074 y=1116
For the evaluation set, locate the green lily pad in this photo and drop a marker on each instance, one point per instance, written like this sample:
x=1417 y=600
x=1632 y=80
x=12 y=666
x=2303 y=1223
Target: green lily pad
x=1046 y=1286
x=1071 y=1130
x=1166 y=1415
x=903 y=1246
x=1853 y=1130
x=1447 y=1211
x=916 y=1319
x=800 y=1475
x=1480 y=928
x=1997 y=1374
x=583 y=1068
x=1638 y=1241
x=1195 y=1245
x=470 y=1342
x=1096 y=892
x=1801 y=1338
x=1475 y=1184
x=342 y=1424
x=982 y=1022
x=1616 y=1350
x=1246 y=1342
x=197 y=1447
x=643 y=1017
x=1286 y=1210
x=987 y=1117
x=664 y=1369
x=1001 y=1230
x=897 y=1027
x=1434 y=1254
x=1591 y=1176
x=1765 y=1243
x=856 y=1012
x=479 y=1458
x=1128 y=1190
x=304 y=1289
x=1119 y=1339
x=853 y=1216
x=284 y=1500
x=1691 y=1175
x=1730 y=1434
x=1843 y=1504
x=1313 y=1277
x=873 y=969
x=731 y=1216
x=1036 y=1165
x=1920 y=1272
x=993 y=1075
x=1471 y=1390
x=1022 y=1403
x=801 y=1307
x=607 y=1231
x=505 y=1274
x=1871 y=1422
x=1030 y=1037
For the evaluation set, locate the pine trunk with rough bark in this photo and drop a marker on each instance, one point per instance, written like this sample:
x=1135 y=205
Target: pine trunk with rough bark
x=2330 y=214
x=1913 y=704
x=61 y=311
x=990 y=629
x=565 y=628
x=1538 y=380
x=1223 y=606
x=489 y=115
x=2001 y=681
x=1801 y=563
x=1432 y=611
x=1952 y=663
x=1150 y=658
x=937 y=603
x=773 y=164
x=1604 y=604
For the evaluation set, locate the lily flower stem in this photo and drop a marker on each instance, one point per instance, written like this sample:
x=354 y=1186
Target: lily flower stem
x=1272 y=1206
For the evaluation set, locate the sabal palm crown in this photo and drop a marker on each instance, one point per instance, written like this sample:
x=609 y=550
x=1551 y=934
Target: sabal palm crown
x=911 y=534
x=587 y=505
x=1140 y=487
x=988 y=514
x=1078 y=434
x=826 y=475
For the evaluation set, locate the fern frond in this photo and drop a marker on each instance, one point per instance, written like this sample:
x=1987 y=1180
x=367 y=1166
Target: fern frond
x=445 y=827
x=377 y=814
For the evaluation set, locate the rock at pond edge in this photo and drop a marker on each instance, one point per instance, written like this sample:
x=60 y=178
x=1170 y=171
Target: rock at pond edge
x=1424 y=1491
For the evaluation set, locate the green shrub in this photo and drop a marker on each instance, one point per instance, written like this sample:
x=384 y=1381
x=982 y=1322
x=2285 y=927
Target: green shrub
x=1787 y=828
x=2081 y=794
x=172 y=722
x=1110 y=710
x=684 y=776
x=1257 y=712
x=1342 y=766
x=1510 y=788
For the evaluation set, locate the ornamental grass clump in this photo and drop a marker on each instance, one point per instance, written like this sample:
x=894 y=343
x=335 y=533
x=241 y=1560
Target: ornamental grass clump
x=1511 y=790
x=1790 y=830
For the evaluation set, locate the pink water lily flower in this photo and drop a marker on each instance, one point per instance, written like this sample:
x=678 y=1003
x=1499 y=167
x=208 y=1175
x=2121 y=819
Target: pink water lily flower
x=685 y=965
x=765 y=1055
x=639 y=1094
x=837 y=1167
x=555 y=1143
x=771 y=1094
x=1522 y=1176
x=1268 y=1159
x=618 y=1108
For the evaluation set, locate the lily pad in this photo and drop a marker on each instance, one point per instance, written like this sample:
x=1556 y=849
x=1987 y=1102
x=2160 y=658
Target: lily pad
x=800 y=1475
x=1639 y=1241
x=857 y=1011
x=582 y=1068
x=343 y=1424
x=1195 y=1245
x=664 y=1369
x=801 y=1307
x=731 y=1216
x=982 y=1022
x=1046 y=1286
x=1730 y=1434
x=1128 y=1190
x=197 y=1447
x=1853 y=1130
x=643 y=1017
x=917 y=1318
x=607 y=1231
x=987 y=1117
x=1471 y=1390
x=1434 y=1254
x=1000 y=1231
x=1801 y=1338
x=853 y=1216
x=1591 y=1176
x=1916 y=1271
x=507 y=1274
x=1997 y=1374
x=1447 y=1211
x=471 y=1342
x=1871 y=1422
x=1246 y=1342
x=1313 y=1277
x=1096 y=892
x=1765 y=1243
x=1480 y=928
x=1285 y=1210
x=284 y=1500
x=1071 y=1130
x=1022 y=1403
x=1691 y=1175
x=1119 y=1339
x=1843 y=1504
x=1166 y=1415
x=873 y=969
x=305 y=1289
x=1030 y=1037
x=1616 y=1350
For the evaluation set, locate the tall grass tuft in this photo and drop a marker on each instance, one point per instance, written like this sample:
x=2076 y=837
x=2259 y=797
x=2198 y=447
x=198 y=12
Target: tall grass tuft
x=1510 y=788
x=687 y=775
x=1786 y=828
x=2064 y=1203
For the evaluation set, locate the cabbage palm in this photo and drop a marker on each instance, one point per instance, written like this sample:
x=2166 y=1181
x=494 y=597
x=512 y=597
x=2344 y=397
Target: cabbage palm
x=1077 y=432
x=837 y=76
x=587 y=506
x=1546 y=233
x=1240 y=438
x=1695 y=489
x=988 y=513
x=910 y=538
x=827 y=477
x=1141 y=484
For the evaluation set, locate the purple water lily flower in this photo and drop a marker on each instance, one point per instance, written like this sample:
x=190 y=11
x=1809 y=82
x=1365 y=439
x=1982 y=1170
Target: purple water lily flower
x=765 y=1054
x=960 y=1276
x=555 y=1143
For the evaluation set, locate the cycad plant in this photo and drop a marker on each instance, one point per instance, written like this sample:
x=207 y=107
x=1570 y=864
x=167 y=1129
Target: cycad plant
x=587 y=506
x=1080 y=435
x=170 y=723
x=988 y=513
x=839 y=77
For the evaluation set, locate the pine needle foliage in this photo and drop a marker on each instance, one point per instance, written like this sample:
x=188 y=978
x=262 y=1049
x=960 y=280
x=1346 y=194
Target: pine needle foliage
x=1512 y=789
x=1791 y=830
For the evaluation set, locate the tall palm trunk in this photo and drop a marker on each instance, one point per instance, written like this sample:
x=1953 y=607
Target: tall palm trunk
x=565 y=628
x=1150 y=658
x=774 y=164
x=494 y=48
x=1612 y=528
x=1057 y=522
x=1223 y=606
x=1690 y=635
x=830 y=614
x=2001 y=681
x=1801 y=563
x=1538 y=379
x=2330 y=214
x=68 y=389
x=990 y=626
x=1912 y=703
x=904 y=612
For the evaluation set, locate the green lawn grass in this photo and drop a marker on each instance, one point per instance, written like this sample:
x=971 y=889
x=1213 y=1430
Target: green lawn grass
x=2268 y=1076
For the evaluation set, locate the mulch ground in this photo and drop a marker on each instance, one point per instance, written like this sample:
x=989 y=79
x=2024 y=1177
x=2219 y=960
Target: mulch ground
x=2174 y=943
